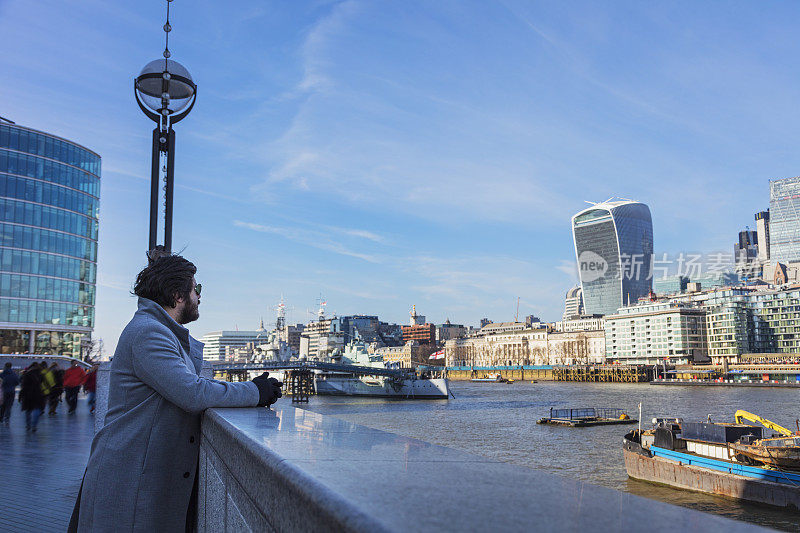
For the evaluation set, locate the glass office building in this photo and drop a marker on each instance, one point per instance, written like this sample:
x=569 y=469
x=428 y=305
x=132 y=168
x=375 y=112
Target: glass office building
x=784 y=220
x=49 y=197
x=614 y=249
x=670 y=284
x=715 y=279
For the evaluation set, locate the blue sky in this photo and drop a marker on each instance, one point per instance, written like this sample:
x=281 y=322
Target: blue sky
x=385 y=154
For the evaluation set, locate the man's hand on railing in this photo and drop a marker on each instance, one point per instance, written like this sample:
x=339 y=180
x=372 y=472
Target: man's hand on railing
x=269 y=389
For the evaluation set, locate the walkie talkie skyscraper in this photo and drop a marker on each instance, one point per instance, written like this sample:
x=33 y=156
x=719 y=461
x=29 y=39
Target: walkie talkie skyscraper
x=614 y=250
x=784 y=220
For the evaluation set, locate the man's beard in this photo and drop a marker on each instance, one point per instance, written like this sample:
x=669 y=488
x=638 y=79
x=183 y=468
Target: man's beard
x=189 y=313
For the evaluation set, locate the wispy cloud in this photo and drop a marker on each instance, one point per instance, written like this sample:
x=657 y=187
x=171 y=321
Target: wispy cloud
x=477 y=285
x=315 y=239
x=123 y=172
x=116 y=283
x=569 y=268
x=361 y=233
x=315 y=76
x=383 y=137
x=213 y=194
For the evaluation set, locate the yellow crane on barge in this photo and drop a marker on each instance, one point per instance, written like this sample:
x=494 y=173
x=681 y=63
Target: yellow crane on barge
x=747 y=415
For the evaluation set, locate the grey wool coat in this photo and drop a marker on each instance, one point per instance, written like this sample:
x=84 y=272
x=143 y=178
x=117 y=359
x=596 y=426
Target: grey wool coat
x=143 y=461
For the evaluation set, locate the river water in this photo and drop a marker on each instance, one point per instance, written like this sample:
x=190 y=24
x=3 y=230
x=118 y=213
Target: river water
x=499 y=421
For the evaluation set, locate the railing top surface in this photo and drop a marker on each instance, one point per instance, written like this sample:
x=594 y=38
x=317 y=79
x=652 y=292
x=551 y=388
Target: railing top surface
x=22 y=360
x=373 y=478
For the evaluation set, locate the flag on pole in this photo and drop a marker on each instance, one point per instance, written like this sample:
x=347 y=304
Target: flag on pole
x=437 y=355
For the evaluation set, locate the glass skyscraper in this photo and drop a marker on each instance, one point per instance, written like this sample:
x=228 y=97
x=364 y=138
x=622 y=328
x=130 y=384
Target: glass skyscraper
x=49 y=197
x=614 y=249
x=784 y=220
x=670 y=285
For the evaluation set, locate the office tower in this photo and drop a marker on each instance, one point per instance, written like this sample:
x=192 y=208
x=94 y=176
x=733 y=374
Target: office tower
x=49 y=198
x=745 y=255
x=784 y=220
x=573 y=303
x=614 y=249
x=762 y=235
x=447 y=331
x=710 y=280
x=745 y=250
x=217 y=343
x=670 y=285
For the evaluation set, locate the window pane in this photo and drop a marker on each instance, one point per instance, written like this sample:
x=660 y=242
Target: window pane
x=23 y=141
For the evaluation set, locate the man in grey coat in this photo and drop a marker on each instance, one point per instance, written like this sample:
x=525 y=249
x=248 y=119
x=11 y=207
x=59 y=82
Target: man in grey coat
x=142 y=467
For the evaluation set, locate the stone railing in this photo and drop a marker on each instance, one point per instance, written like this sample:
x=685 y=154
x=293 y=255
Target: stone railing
x=291 y=469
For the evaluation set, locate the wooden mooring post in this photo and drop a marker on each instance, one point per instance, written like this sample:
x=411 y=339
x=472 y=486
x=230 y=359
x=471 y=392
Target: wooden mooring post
x=301 y=385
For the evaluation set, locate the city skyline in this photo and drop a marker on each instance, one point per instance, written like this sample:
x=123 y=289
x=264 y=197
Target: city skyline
x=428 y=155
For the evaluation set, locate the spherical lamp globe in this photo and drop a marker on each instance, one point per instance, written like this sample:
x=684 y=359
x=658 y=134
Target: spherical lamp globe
x=165 y=88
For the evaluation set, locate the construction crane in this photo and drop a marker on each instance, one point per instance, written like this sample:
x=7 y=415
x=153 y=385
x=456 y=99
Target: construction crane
x=740 y=414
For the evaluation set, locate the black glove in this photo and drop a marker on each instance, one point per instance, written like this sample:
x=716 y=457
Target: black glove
x=269 y=389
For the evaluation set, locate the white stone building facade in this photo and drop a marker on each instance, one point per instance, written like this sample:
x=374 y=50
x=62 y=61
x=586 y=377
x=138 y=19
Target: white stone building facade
x=529 y=347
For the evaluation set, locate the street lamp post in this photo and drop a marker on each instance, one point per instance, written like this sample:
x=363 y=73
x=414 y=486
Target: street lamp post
x=165 y=93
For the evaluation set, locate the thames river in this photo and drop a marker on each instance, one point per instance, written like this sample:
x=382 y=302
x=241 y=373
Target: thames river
x=499 y=420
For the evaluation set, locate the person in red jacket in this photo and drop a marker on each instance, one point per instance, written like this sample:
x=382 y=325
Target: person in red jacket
x=90 y=386
x=73 y=379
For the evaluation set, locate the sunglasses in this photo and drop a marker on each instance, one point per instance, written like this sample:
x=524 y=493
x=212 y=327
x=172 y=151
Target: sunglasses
x=198 y=288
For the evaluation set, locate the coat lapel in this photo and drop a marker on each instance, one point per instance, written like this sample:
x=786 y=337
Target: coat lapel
x=196 y=354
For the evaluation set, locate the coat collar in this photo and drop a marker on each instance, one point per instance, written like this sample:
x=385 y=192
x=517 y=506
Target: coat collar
x=154 y=310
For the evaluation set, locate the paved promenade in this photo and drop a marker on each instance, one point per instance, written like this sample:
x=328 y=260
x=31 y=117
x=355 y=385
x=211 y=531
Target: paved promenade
x=42 y=471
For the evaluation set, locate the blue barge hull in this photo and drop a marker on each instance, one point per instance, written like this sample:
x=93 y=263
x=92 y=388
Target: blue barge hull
x=711 y=476
x=776 y=476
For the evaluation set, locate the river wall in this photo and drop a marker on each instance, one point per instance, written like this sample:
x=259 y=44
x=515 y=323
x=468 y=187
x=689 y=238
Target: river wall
x=291 y=469
x=520 y=374
x=588 y=373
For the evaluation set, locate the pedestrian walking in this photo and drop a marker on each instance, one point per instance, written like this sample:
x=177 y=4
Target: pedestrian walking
x=58 y=388
x=90 y=387
x=10 y=382
x=32 y=396
x=142 y=468
x=74 y=377
x=48 y=381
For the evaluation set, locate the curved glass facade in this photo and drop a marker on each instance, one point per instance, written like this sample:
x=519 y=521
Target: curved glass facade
x=49 y=202
x=784 y=220
x=614 y=248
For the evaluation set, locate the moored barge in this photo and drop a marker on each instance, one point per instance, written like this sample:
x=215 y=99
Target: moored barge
x=587 y=416
x=707 y=457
